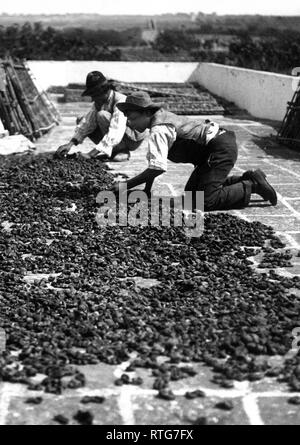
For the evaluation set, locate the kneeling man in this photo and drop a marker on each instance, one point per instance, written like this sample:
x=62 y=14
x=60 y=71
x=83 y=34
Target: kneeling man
x=104 y=124
x=212 y=150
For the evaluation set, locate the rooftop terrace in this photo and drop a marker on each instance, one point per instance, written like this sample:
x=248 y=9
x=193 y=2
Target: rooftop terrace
x=256 y=403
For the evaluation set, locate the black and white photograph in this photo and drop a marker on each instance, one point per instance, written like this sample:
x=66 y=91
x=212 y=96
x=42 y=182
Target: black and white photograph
x=149 y=215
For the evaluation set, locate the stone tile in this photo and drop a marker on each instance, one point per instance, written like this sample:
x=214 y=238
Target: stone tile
x=243 y=165
x=296 y=237
x=149 y=410
x=99 y=376
x=259 y=207
x=277 y=411
x=201 y=381
x=250 y=145
x=276 y=177
x=289 y=191
x=21 y=413
x=259 y=130
x=268 y=385
x=292 y=160
x=295 y=270
x=290 y=156
x=296 y=205
x=238 y=124
x=284 y=162
x=279 y=224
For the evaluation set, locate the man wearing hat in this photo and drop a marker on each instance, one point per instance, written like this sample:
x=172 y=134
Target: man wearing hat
x=104 y=124
x=211 y=149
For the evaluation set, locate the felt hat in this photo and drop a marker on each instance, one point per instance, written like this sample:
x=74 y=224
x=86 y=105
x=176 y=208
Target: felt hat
x=139 y=100
x=95 y=82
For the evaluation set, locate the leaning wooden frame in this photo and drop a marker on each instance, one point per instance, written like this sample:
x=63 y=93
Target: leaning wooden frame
x=289 y=132
x=24 y=109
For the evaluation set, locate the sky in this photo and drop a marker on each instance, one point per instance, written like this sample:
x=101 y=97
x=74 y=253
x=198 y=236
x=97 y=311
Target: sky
x=269 y=7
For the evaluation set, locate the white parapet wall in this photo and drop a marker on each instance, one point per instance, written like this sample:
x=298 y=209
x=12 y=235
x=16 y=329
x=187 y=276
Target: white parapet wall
x=50 y=73
x=262 y=94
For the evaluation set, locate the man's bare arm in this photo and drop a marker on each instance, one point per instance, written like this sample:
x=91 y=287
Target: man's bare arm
x=147 y=176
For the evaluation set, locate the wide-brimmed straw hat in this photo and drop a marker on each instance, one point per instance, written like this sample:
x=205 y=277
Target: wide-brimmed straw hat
x=96 y=82
x=139 y=100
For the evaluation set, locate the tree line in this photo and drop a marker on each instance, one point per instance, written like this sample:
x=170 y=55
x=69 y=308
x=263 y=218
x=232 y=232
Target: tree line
x=273 y=51
x=35 y=42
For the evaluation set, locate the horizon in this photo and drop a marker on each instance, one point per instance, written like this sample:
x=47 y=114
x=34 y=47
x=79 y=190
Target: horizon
x=60 y=14
x=144 y=14
x=155 y=7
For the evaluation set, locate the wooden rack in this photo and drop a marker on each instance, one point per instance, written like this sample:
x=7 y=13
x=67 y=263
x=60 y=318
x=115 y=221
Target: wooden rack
x=23 y=108
x=181 y=98
x=289 y=132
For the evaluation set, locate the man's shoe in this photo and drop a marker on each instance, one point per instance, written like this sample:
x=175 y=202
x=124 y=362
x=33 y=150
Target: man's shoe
x=247 y=175
x=262 y=187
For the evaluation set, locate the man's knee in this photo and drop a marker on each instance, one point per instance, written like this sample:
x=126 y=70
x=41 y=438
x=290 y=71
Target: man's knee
x=211 y=199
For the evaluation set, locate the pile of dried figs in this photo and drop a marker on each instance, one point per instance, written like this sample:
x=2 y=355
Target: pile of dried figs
x=68 y=294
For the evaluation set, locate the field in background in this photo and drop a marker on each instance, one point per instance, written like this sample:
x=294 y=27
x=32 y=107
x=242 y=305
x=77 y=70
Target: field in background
x=210 y=22
x=267 y=43
x=94 y=21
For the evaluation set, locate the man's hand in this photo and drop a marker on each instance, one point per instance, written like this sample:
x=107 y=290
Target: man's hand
x=63 y=150
x=146 y=176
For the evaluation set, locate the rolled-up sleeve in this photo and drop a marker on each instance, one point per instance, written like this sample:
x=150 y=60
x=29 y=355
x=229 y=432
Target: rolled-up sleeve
x=162 y=137
x=115 y=132
x=86 y=126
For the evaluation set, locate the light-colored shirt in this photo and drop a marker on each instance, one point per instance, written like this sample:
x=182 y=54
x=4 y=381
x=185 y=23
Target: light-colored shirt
x=93 y=119
x=162 y=137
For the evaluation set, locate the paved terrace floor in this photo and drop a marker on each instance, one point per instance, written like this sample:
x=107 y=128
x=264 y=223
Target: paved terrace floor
x=255 y=403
